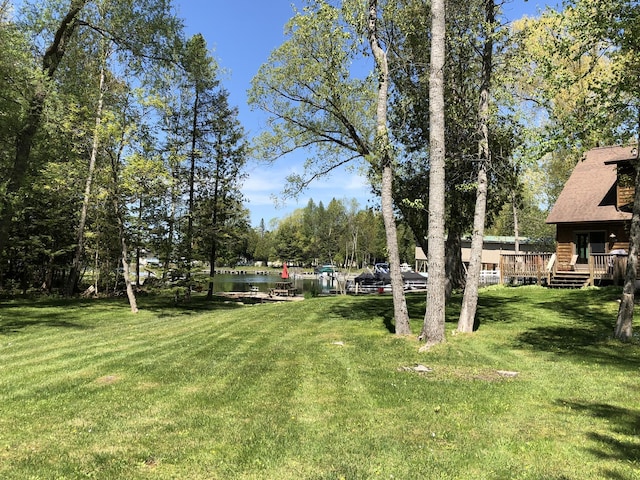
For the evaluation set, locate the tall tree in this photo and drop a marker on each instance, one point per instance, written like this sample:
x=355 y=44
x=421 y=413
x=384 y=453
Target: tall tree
x=208 y=165
x=201 y=82
x=383 y=154
x=123 y=125
x=410 y=123
x=24 y=139
x=434 y=318
x=145 y=179
x=470 y=297
x=315 y=101
x=228 y=149
x=74 y=272
x=115 y=193
x=174 y=157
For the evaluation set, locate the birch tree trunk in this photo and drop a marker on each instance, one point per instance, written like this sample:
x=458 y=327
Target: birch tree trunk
x=382 y=150
x=470 y=298
x=124 y=254
x=624 y=322
x=467 y=317
x=138 y=242
x=125 y=259
x=434 y=318
x=72 y=281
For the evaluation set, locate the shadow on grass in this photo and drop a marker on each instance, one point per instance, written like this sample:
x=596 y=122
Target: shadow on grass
x=578 y=324
x=375 y=306
x=165 y=305
x=50 y=312
x=79 y=313
x=364 y=308
x=17 y=324
x=622 y=443
x=14 y=319
x=496 y=309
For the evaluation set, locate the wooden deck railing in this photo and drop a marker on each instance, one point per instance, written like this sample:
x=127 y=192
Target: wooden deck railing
x=538 y=266
x=605 y=266
x=525 y=266
x=601 y=266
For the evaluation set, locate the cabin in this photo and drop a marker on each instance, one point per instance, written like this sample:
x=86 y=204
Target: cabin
x=592 y=216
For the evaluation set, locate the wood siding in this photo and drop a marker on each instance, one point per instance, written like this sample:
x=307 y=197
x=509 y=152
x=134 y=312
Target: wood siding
x=566 y=235
x=625 y=196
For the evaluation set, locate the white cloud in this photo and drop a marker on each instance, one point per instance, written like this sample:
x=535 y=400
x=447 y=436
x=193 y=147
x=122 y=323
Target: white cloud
x=265 y=182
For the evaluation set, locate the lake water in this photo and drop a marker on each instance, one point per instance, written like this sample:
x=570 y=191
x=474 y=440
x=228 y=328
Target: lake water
x=223 y=282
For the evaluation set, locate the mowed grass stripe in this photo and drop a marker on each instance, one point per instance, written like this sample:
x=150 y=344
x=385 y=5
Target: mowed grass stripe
x=156 y=347
x=317 y=389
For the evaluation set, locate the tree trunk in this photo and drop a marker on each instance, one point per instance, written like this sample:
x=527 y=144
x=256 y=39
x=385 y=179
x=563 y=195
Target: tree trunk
x=139 y=241
x=192 y=174
x=624 y=323
x=400 y=310
x=72 y=281
x=212 y=270
x=115 y=163
x=24 y=140
x=125 y=263
x=467 y=318
x=434 y=318
x=382 y=151
x=454 y=268
x=171 y=221
x=516 y=228
x=96 y=271
x=214 y=239
x=48 y=279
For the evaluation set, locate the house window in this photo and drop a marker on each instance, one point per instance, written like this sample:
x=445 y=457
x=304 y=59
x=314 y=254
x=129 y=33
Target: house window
x=598 y=241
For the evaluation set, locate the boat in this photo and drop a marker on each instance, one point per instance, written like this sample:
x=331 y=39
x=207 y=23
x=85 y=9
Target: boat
x=382 y=268
x=326 y=270
x=378 y=282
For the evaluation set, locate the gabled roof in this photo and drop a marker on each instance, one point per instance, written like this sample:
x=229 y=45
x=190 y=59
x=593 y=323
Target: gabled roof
x=590 y=193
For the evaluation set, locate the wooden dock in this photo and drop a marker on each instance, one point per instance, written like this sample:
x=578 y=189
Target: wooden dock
x=259 y=297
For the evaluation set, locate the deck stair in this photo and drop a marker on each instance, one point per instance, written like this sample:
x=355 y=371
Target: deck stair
x=569 y=279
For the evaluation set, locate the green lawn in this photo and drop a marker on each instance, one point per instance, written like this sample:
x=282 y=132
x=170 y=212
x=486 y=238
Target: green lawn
x=318 y=389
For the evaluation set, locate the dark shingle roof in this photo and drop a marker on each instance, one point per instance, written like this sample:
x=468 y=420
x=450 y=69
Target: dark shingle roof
x=590 y=193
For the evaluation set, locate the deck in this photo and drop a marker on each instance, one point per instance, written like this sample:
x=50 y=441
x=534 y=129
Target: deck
x=544 y=267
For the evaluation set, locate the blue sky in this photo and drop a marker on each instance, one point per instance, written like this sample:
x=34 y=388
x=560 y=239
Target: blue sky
x=241 y=35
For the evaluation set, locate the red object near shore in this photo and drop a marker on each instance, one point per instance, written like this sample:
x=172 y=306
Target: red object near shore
x=285 y=271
